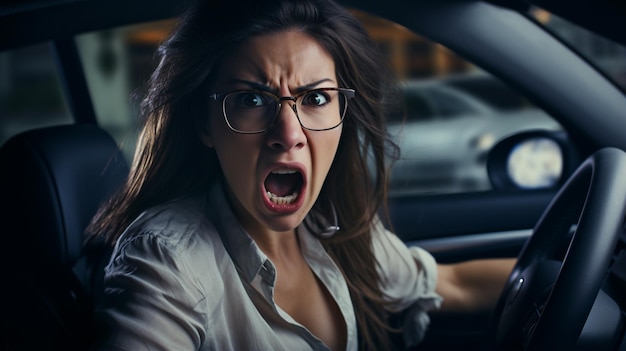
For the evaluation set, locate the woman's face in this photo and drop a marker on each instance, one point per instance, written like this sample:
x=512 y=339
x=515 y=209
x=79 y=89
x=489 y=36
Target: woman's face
x=274 y=178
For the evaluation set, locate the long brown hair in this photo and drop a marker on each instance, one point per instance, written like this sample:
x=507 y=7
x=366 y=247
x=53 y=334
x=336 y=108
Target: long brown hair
x=171 y=161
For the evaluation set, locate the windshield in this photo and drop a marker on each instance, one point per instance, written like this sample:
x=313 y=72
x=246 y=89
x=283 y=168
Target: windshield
x=607 y=55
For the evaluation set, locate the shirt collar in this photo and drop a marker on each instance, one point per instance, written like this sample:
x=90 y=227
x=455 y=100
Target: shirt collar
x=247 y=256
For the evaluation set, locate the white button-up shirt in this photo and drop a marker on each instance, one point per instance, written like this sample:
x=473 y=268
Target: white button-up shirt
x=186 y=276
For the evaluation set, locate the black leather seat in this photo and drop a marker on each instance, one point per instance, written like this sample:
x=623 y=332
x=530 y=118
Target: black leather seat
x=52 y=181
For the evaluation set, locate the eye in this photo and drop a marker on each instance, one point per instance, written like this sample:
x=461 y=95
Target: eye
x=315 y=98
x=250 y=99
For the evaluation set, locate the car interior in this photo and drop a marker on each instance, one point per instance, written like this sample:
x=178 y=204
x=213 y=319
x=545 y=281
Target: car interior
x=64 y=174
x=568 y=235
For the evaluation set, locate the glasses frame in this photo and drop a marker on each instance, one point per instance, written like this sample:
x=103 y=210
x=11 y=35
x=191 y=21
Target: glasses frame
x=348 y=93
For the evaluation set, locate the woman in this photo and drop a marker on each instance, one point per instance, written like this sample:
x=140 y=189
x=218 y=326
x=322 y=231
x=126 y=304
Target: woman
x=249 y=219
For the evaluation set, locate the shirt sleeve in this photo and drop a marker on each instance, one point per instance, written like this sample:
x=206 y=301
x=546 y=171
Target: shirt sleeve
x=409 y=279
x=149 y=302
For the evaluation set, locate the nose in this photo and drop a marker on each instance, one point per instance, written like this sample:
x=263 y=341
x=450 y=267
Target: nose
x=287 y=133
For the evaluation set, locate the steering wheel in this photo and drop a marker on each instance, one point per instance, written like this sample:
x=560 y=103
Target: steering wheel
x=560 y=270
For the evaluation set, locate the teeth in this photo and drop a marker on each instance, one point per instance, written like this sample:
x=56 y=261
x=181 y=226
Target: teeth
x=287 y=199
x=284 y=171
x=282 y=200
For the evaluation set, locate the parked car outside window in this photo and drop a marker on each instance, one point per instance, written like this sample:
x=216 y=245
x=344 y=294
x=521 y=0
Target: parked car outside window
x=446 y=133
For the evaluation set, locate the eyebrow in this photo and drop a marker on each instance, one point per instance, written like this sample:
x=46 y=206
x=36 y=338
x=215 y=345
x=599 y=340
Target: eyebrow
x=312 y=85
x=263 y=87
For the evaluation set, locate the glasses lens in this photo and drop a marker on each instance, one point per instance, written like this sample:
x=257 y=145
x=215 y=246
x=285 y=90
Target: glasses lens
x=321 y=109
x=254 y=111
x=249 y=111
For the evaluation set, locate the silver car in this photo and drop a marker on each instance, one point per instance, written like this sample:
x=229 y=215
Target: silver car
x=446 y=132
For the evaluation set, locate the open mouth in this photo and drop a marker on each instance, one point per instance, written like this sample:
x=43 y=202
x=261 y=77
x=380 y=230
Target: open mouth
x=283 y=186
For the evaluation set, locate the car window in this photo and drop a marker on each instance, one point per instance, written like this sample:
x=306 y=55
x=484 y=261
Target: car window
x=117 y=64
x=30 y=91
x=418 y=103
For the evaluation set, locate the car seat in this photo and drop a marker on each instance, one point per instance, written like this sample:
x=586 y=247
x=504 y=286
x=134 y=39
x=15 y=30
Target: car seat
x=52 y=180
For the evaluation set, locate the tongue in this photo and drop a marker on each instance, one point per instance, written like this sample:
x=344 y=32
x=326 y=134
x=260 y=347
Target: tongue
x=282 y=184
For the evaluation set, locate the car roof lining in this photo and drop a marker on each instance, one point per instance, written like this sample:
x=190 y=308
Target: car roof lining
x=65 y=19
x=41 y=20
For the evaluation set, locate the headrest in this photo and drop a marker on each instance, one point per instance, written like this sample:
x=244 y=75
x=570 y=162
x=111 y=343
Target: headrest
x=52 y=181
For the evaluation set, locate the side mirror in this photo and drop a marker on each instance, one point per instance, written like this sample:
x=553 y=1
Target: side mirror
x=531 y=160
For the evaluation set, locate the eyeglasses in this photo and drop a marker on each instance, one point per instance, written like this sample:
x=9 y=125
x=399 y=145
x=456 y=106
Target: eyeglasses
x=255 y=111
